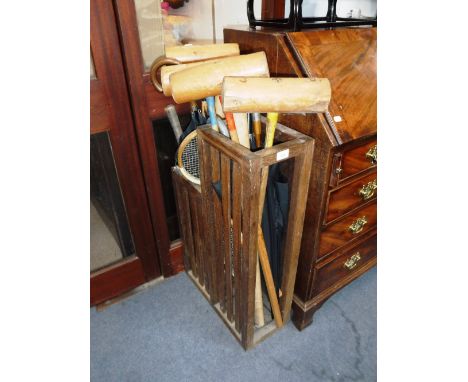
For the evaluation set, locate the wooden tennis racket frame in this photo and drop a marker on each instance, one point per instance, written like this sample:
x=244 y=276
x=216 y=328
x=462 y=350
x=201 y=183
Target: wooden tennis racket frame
x=207 y=220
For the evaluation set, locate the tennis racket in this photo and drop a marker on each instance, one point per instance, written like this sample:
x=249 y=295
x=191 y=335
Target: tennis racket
x=188 y=159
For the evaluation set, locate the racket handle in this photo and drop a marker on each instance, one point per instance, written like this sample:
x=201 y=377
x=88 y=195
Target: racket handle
x=173 y=120
x=212 y=113
x=257 y=128
x=232 y=127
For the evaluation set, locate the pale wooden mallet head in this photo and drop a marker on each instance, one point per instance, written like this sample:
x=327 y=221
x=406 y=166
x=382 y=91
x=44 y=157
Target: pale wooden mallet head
x=206 y=79
x=178 y=56
x=281 y=95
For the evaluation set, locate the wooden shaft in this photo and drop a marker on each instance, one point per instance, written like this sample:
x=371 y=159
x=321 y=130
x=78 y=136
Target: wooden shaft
x=192 y=53
x=222 y=127
x=232 y=127
x=212 y=113
x=219 y=107
x=206 y=79
x=257 y=129
x=174 y=120
x=283 y=95
x=263 y=255
x=272 y=119
x=242 y=129
x=259 y=317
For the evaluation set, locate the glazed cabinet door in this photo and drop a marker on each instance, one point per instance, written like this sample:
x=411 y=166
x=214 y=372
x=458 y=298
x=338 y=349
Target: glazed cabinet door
x=143 y=39
x=123 y=248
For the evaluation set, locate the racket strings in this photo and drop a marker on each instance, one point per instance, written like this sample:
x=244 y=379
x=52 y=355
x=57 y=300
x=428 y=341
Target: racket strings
x=190 y=159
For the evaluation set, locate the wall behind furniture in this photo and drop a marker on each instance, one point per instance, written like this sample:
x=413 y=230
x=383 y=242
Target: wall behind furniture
x=227 y=12
x=315 y=8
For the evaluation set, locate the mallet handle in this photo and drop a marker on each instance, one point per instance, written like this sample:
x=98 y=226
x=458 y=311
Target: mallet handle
x=212 y=113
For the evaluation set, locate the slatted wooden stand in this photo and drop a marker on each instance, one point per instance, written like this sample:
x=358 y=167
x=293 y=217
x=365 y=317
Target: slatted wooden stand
x=220 y=229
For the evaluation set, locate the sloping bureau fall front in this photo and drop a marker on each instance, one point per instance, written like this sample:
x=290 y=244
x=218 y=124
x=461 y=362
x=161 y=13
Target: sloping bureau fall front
x=340 y=230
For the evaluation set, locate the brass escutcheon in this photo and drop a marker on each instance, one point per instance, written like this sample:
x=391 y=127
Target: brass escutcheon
x=371 y=155
x=367 y=191
x=358 y=225
x=352 y=261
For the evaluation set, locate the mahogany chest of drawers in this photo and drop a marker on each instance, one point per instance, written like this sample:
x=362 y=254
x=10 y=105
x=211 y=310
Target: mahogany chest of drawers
x=339 y=241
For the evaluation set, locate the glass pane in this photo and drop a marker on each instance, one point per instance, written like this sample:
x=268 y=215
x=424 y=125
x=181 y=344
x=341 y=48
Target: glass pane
x=111 y=239
x=166 y=146
x=313 y=8
x=150 y=28
x=91 y=69
x=344 y=8
x=357 y=9
x=192 y=22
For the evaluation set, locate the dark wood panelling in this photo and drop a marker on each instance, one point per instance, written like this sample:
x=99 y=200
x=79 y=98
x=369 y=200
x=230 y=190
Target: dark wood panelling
x=272 y=9
x=146 y=104
x=347 y=197
x=156 y=102
x=339 y=233
x=348 y=58
x=354 y=161
x=100 y=110
x=116 y=279
x=333 y=269
x=111 y=79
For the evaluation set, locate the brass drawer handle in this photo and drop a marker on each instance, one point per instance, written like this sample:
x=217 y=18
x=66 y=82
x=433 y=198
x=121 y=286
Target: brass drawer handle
x=367 y=191
x=358 y=225
x=371 y=155
x=352 y=261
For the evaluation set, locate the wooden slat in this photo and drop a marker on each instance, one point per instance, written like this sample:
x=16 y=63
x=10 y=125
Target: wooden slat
x=299 y=188
x=236 y=223
x=184 y=220
x=198 y=249
x=226 y=146
x=195 y=237
x=203 y=255
x=226 y=203
x=207 y=218
x=239 y=203
x=250 y=221
x=218 y=222
x=176 y=254
x=188 y=229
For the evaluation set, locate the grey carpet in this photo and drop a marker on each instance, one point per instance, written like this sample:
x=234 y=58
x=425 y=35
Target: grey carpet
x=169 y=332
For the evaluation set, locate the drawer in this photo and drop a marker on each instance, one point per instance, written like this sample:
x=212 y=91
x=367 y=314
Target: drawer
x=350 y=228
x=358 y=159
x=332 y=270
x=351 y=196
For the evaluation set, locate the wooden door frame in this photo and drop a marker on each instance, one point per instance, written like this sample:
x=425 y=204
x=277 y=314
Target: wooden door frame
x=111 y=112
x=147 y=104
